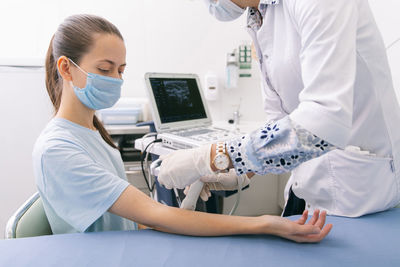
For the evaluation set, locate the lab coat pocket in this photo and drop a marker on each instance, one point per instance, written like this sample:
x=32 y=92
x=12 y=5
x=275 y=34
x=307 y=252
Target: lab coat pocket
x=362 y=183
x=313 y=182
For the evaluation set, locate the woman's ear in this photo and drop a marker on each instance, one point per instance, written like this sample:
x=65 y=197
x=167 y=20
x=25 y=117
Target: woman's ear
x=64 y=68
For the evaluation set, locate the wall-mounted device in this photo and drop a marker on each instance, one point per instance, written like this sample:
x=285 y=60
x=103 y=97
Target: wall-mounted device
x=211 y=87
x=232 y=70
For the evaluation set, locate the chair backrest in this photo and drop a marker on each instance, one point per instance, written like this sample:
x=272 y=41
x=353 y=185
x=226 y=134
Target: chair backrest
x=29 y=220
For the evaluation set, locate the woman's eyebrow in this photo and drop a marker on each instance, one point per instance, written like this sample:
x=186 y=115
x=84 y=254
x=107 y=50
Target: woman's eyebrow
x=111 y=62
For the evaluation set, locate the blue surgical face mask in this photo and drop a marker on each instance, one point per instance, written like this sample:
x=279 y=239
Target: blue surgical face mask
x=100 y=91
x=224 y=10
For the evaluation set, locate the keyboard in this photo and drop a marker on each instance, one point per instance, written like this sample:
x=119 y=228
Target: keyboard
x=204 y=134
x=186 y=133
x=193 y=137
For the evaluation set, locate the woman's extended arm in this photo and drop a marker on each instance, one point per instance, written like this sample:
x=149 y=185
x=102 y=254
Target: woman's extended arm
x=136 y=206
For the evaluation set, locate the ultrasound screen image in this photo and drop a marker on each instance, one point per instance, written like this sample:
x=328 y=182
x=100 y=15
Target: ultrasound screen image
x=177 y=99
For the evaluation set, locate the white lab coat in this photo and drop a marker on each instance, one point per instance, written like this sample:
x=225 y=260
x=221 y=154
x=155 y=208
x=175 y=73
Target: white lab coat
x=324 y=64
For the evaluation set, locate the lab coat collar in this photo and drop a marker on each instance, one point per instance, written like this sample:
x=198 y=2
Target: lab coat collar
x=255 y=16
x=269 y=2
x=263 y=5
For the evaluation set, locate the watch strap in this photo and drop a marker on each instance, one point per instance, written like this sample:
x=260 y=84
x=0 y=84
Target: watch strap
x=220 y=148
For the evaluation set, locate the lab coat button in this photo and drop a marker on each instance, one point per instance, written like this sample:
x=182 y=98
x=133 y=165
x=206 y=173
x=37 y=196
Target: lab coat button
x=308 y=206
x=296 y=184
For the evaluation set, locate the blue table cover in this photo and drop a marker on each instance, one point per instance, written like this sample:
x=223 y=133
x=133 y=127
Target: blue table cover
x=372 y=240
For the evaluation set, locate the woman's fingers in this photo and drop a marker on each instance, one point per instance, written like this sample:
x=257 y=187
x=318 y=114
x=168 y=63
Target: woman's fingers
x=321 y=221
x=303 y=218
x=312 y=237
x=314 y=218
x=326 y=230
x=307 y=229
x=318 y=219
x=299 y=231
x=317 y=238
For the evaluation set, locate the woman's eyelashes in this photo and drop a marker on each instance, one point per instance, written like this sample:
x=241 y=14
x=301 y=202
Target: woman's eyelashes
x=105 y=71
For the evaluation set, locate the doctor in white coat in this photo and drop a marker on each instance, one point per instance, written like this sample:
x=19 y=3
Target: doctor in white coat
x=332 y=111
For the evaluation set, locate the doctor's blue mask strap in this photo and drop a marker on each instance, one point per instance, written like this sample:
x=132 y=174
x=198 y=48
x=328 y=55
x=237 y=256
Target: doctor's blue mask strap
x=76 y=65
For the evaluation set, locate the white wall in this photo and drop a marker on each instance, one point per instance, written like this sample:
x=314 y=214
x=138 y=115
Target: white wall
x=161 y=35
x=24 y=111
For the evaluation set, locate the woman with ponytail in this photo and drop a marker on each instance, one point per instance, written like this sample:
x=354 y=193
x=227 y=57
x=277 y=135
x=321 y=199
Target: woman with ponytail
x=79 y=172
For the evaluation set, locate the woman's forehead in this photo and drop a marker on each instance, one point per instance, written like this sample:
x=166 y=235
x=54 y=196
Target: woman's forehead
x=107 y=47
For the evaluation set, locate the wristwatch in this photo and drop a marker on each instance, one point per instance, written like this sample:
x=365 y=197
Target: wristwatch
x=221 y=159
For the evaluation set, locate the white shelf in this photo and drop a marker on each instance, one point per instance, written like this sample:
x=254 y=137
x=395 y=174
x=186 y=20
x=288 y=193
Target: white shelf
x=126 y=129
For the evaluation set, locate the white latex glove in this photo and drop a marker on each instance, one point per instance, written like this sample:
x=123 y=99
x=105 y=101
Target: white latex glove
x=205 y=193
x=221 y=182
x=183 y=167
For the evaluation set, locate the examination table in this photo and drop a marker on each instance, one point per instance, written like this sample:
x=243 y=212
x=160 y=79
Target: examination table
x=372 y=240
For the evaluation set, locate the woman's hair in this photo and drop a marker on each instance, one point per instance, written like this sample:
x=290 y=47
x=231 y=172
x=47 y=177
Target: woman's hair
x=73 y=39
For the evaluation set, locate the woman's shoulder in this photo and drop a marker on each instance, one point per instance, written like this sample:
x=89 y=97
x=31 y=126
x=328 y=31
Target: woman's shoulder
x=55 y=135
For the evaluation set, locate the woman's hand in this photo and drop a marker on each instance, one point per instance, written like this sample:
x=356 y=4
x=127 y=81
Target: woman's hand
x=300 y=231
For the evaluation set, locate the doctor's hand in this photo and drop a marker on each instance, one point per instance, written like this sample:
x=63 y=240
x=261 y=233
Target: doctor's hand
x=221 y=182
x=300 y=231
x=184 y=167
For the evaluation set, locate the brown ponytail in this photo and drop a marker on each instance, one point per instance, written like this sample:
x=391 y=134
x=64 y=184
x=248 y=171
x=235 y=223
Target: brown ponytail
x=74 y=38
x=103 y=132
x=52 y=78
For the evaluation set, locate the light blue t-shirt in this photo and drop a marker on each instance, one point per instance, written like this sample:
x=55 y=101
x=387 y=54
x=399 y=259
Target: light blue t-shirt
x=79 y=177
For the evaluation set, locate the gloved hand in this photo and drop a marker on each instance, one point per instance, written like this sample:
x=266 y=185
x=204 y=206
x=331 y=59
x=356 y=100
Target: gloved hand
x=221 y=182
x=184 y=167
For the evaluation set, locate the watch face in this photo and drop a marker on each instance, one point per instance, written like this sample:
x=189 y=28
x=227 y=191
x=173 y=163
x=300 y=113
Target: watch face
x=221 y=161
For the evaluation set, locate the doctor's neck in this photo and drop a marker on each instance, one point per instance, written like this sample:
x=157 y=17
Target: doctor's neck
x=246 y=3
